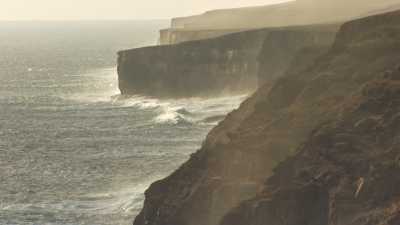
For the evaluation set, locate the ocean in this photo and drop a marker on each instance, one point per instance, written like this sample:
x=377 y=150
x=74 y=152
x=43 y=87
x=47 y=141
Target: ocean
x=72 y=150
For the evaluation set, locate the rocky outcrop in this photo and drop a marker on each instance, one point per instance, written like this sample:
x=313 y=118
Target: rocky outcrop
x=346 y=173
x=293 y=13
x=242 y=151
x=220 y=66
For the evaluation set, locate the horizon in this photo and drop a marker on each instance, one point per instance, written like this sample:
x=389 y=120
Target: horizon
x=199 y=112
x=86 y=20
x=73 y=10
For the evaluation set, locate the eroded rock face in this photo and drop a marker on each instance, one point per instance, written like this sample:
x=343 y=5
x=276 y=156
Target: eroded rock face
x=299 y=12
x=346 y=173
x=292 y=13
x=225 y=65
x=175 y=36
x=241 y=152
x=220 y=66
x=283 y=46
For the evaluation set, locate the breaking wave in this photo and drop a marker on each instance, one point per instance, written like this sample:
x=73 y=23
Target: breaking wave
x=189 y=111
x=103 y=89
x=92 y=150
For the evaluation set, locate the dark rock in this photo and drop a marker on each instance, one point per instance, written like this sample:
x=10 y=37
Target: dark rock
x=360 y=185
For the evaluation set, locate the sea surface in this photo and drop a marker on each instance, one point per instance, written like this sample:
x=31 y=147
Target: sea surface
x=72 y=150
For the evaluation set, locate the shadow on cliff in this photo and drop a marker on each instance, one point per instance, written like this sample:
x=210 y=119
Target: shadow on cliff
x=345 y=173
x=228 y=65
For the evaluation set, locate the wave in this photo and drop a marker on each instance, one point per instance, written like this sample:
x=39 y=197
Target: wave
x=125 y=201
x=99 y=88
x=172 y=115
x=183 y=111
x=213 y=119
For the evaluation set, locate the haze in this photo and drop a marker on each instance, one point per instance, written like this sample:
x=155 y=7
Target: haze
x=113 y=9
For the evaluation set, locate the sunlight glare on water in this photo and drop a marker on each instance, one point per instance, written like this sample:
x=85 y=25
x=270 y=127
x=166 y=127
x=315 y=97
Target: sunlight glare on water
x=72 y=150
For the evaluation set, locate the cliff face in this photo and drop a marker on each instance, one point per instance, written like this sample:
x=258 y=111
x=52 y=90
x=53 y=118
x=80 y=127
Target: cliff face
x=346 y=173
x=175 y=36
x=299 y=12
x=293 y=13
x=225 y=65
x=241 y=152
x=213 y=67
x=293 y=48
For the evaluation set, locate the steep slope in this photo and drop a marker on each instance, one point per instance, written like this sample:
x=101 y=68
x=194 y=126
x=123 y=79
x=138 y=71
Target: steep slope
x=225 y=65
x=284 y=45
x=346 y=173
x=240 y=153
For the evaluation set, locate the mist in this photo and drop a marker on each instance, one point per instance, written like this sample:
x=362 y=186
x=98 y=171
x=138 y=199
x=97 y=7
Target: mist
x=300 y=12
x=115 y=10
x=253 y=111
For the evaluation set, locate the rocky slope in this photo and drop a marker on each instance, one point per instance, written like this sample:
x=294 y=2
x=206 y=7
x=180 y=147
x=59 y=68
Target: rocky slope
x=225 y=65
x=241 y=152
x=346 y=173
x=293 y=13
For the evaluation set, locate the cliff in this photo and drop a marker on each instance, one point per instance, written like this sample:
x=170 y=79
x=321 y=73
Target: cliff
x=346 y=173
x=219 y=66
x=242 y=151
x=175 y=36
x=226 y=65
x=293 y=13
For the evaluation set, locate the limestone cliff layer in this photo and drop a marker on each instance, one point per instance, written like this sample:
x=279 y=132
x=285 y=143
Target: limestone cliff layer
x=292 y=13
x=213 y=67
x=175 y=36
x=220 y=66
x=241 y=152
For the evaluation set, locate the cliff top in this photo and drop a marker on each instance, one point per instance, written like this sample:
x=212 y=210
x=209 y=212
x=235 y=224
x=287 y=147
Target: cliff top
x=298 y=12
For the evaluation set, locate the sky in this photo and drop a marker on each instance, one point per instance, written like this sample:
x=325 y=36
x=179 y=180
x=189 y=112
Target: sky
x=113 y=9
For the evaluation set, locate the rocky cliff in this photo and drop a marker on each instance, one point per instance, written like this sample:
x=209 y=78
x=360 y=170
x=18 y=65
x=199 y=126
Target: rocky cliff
x=292 y=13
x=213 y=67
x=346 y=173
x=336 y=170
x=175 y=36
x=224 y=65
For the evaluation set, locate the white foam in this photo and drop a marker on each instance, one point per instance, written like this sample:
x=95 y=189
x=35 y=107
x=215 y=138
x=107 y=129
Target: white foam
x=195 y=110
x=101 y=86
x=170 y=115
x=125 y=201
x=140 y=102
